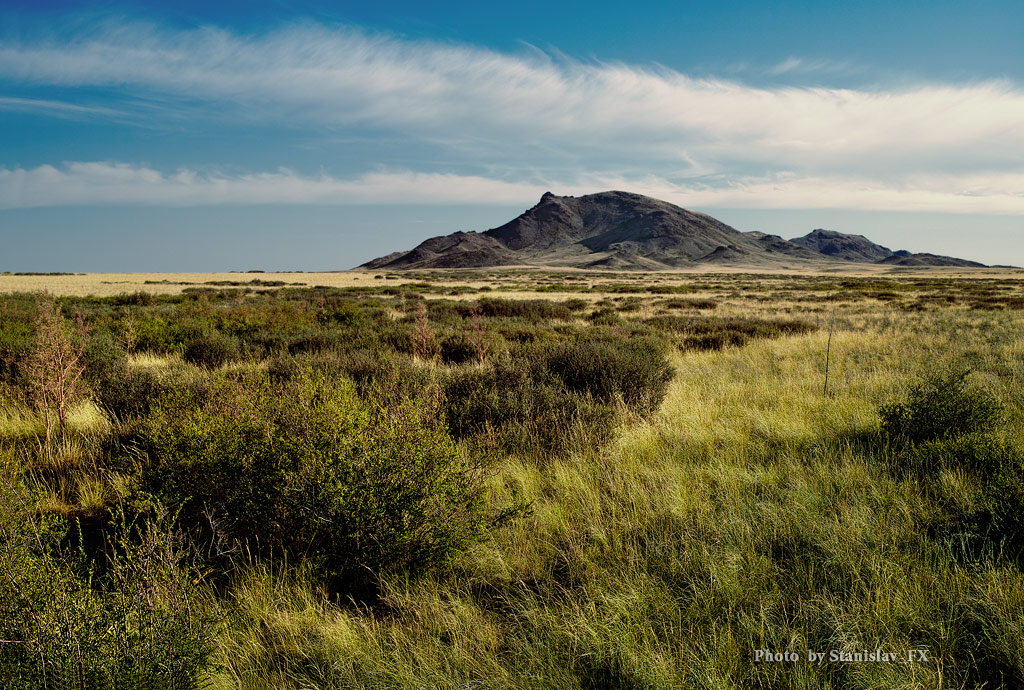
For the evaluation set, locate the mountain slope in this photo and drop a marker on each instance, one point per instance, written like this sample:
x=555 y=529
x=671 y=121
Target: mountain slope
x=844 y=247
x=611 y=229
x=622 y=230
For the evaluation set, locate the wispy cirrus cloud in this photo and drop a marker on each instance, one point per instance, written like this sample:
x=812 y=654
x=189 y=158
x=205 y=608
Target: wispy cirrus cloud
x=53 y=107
x=534 y=117
x=92 y=183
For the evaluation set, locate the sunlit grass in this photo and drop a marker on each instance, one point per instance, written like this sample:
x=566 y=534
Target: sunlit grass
x=747 y=513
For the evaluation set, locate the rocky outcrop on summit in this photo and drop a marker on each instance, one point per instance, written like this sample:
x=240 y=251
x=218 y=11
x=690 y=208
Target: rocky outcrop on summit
x=626 y=231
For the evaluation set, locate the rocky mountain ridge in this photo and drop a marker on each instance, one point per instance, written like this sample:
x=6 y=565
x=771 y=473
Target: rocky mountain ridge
x=622 y=230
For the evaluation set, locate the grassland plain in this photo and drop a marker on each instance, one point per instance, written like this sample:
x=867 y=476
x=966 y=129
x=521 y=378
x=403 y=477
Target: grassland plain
x=752 y=509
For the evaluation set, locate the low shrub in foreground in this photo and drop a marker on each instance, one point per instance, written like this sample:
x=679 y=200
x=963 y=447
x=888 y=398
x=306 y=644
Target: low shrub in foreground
x=307 y=470
x=942 y=406
x=137 y=619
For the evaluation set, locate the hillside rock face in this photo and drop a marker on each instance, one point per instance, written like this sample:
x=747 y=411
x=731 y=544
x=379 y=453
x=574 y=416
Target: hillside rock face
x=626 y=231
x=844 y=247
x=925 y=259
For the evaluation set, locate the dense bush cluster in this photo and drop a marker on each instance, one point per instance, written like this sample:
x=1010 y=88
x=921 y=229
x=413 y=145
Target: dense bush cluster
x=307 y=469
x=714 y=333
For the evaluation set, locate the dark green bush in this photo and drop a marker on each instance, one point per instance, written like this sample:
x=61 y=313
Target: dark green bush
x=104 y=358
x=212 y=350
x=456 y=349
x=533 y=310
x=605 y=316
x=942 y=406
x=136 y=619
x=520 y=405
x=126 y=392
x=1005 y=495
x=309 y=470
x=140 y=298
x=342 y=314
x=712 y=333
x=637 y=369
x=979 y=454
x=683 y=303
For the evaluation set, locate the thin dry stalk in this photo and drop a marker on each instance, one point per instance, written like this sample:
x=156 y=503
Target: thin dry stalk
x=478 y=337
x=424 y=344
x=55 y=369
x=828 y=352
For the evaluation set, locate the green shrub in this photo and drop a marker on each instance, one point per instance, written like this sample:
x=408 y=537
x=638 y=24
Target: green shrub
x=519 y=404
x=533 y=309
x=308 y=470
x=941 y=406
x=343 y=314
x=605 y=316
x=979 y=454
x=104 y=358
x=713 y=333
x=126 y=393
x=212 y=350
x=456 y=349
x=1004 y=492
x=637 y=369
x=137 y=619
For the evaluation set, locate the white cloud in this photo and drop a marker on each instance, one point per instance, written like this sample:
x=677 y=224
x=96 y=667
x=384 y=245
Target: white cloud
x=53 y=107
x=92 y=183
x=535 y=118
x=469 y=96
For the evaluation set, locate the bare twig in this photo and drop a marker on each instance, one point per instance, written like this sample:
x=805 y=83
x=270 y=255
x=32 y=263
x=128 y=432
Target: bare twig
x=828 y=352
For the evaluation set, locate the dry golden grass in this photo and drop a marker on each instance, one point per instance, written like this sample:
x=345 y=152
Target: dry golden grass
x=108 y=284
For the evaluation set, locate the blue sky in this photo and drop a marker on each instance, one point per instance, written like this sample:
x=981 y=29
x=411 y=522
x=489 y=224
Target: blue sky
x=305 y=136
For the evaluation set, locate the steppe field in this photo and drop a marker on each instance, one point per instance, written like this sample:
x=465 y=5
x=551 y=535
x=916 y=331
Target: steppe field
x=512 y=478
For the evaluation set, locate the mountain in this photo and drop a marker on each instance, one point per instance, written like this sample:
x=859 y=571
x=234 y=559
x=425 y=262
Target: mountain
x=844 y=247
x=925 y=259
x=622 y=230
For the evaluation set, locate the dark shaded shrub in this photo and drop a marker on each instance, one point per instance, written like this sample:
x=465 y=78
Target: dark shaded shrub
x=104 y=358
x=282 y=367
x=212 y=350
x=1004 y=492
x=712 y=333
x=714 y=341
x=457 y=349
x=941 y=406
x=637 y=369
x=523 y=408
x=126 y=392
x=342 y=314
x=315 y=341
x=141 y=299
x=576 y=304
x=136 y=619
x=681 y=303
x=533 y=309
x=605 y=316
